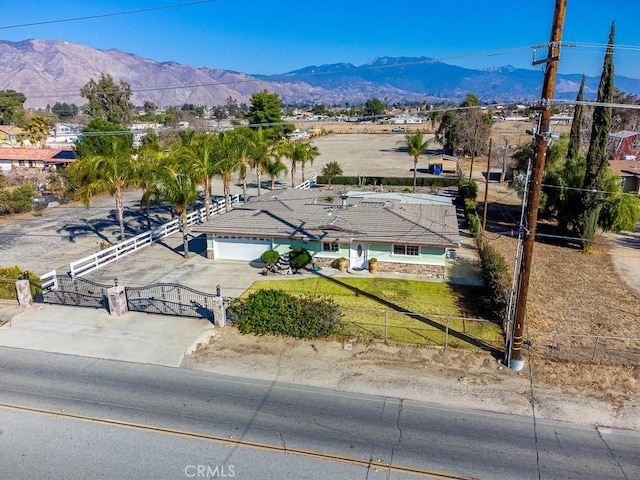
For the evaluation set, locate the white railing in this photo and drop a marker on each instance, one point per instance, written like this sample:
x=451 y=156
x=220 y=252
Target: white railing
x=109 y=255
x=308 y=184
x=49 y=281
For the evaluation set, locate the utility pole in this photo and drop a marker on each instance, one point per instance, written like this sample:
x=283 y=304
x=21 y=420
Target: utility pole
x=542 y=135
x=486 y=188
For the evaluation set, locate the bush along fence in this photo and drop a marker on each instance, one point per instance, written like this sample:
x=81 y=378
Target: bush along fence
x=362 y=181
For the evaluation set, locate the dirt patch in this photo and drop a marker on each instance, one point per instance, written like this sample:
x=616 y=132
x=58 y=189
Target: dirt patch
x=452 y=377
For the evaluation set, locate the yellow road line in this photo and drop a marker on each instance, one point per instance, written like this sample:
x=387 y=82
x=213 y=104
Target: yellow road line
x=376 y=465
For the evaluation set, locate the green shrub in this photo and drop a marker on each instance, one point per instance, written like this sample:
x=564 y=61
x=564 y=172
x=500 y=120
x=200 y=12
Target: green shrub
x=468 y=189
x=474 y=224
x=470 y=206
x=19 y=200
x=495 y=273
x=270 y=257
x=8 y=277
x=279 y=313
x=299 y=258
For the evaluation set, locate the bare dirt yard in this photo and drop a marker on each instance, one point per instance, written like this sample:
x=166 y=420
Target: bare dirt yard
x=571 y=292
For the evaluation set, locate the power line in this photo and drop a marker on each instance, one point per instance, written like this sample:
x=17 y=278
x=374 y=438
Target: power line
x=104 y=15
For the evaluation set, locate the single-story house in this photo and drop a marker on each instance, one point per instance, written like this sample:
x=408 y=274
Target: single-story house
x=623 y=145
x=629 y=173
x=40 y=158
x=9 y=134
x=406 y=233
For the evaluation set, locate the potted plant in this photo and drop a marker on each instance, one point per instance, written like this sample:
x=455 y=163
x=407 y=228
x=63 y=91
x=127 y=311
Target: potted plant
x=373 y=265
x=342 y=262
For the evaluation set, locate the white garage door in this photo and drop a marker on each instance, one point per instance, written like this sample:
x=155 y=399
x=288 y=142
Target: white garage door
x=240 y=248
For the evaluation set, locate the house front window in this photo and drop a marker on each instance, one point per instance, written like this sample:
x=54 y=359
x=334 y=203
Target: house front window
x=329 y=246
x=412 y=250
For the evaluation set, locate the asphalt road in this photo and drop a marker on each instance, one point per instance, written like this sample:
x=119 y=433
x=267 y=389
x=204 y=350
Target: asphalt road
x=75 y=417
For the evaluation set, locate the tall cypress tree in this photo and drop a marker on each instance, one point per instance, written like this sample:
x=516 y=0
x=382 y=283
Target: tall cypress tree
x=597 y=163
x=573 y=152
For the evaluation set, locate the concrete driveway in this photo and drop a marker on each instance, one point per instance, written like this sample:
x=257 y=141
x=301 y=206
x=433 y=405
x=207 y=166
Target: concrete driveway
x=135 y=337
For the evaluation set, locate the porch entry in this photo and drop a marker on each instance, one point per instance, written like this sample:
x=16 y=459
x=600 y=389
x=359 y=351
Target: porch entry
x=359 y=256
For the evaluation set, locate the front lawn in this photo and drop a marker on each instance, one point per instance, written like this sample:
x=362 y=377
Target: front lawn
x=401 y=310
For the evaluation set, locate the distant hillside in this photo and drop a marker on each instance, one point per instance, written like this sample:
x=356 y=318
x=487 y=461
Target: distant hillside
x=50 y=71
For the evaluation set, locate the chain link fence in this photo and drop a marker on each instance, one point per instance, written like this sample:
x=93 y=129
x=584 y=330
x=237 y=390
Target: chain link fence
x=424 y=329
x=599 y=349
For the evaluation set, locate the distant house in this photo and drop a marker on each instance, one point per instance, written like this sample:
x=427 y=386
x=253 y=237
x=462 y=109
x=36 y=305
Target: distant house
x=404 y=119
x=629 y=174
x=623 y=145
x=9 y=134
x=41 y=158
x=406 y=233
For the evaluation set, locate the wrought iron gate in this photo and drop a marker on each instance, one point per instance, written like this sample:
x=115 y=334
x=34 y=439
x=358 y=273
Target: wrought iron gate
x=170 y=299
x=77 y=291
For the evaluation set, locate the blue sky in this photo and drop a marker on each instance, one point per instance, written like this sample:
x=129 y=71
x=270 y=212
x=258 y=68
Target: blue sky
x=270 y=36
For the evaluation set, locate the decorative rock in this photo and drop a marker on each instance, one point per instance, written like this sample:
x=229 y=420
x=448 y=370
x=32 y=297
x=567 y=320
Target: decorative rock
x=117 y=301
x=23 y=291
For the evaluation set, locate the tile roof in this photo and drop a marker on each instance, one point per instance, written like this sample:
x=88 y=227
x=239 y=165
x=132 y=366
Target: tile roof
x=307 y=214
x=54 y=155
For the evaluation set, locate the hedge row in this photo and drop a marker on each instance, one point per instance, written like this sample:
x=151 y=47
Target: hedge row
x=495 y=273
x=277 y=312
x=390 y=181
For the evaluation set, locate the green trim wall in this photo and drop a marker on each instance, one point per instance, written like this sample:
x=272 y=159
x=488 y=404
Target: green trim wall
x=383 y=252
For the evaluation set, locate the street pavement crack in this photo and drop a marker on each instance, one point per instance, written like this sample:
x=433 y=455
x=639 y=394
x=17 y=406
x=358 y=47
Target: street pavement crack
x=398 y=421
x=613 y=457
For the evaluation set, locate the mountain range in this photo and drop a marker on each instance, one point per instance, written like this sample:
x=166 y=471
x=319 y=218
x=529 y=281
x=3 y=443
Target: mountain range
x=50 y=71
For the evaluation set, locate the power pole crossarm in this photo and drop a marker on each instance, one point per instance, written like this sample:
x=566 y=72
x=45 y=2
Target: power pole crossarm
x=516 y=359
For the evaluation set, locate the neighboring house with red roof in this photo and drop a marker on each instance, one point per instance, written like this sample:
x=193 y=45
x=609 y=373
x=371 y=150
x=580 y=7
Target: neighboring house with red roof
x=406 y=233
x=11 y=158
x=629 y=173
x=623 y=145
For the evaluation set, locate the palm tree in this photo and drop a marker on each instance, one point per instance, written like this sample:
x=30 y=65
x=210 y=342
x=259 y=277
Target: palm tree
x=299 y=153
x=201 y=155
x=416 y=145
x=331 y=170
x=228 y=160
x=274 y=169
x=146 y=167
x=306 y=153
x=177 y=186
x=110 y=173
x=260 y=152
x=285 y=148
x=241 y=139
x=37 y=131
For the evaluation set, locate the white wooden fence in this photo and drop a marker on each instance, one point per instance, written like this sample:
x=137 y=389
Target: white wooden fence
x=308 y=184
x=108 y=255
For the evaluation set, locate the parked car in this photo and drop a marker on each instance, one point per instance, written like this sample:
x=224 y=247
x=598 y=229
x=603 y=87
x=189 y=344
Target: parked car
x=398 y=130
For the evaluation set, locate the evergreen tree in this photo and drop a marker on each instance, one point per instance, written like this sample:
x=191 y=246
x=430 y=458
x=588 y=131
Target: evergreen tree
x=574 y=137
x=597 y=164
